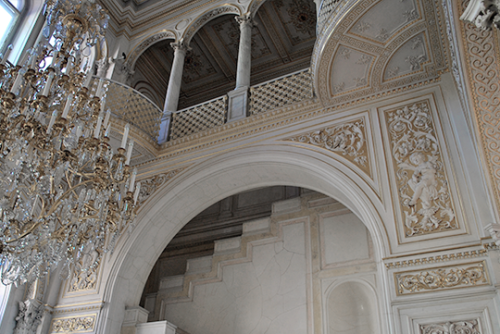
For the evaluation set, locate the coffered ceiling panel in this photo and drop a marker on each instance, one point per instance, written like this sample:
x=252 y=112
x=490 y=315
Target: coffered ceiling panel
x=282 y=42
x=396 y=15
x=402 y=41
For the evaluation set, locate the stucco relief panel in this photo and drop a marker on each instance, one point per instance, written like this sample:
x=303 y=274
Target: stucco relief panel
x=419 y=175
x=443 y=278
x=347 y=139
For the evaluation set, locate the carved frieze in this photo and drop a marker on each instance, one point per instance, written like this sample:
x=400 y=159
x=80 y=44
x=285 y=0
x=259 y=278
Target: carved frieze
x=444 y=278
x=422 y=184
x=452 y=327
x=347 y=139
x=79 y=324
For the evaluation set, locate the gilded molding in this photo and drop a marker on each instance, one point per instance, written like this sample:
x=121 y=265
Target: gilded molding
x=436 y=259
x=481 y=60
x=444 y=278
x=452 y=327
x=423 y=192
x=346 y=139
x=81 y=324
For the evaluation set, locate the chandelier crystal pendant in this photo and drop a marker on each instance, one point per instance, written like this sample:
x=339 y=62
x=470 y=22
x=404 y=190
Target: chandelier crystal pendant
x=63 y=192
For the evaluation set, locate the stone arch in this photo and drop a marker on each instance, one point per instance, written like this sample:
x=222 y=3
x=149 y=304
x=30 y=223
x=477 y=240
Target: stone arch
x=208 y=16
x=146 y=43
x=212 y=180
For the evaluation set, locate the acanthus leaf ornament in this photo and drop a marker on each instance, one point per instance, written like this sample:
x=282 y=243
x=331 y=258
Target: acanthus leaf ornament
x=452 y=327
x=347 y=139
x=432 y=279
x=421 y=180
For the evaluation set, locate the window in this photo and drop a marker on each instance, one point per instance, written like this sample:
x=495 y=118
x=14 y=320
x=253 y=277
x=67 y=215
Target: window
x=9 y=14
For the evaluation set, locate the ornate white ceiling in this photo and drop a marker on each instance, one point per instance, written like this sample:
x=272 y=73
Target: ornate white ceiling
x=379 y=46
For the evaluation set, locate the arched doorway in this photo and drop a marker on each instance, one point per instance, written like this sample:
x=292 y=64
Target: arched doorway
x=208 y=182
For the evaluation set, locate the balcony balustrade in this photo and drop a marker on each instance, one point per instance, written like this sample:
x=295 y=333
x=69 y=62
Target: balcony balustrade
x=135 y=108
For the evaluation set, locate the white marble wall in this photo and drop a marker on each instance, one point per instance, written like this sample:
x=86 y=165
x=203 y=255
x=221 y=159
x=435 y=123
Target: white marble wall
x=266 y=295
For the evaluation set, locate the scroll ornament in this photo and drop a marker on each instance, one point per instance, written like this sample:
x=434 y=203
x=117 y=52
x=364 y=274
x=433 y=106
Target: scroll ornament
x=347 y=139
x=441 y=278
x=455 y=327
x=421 y=179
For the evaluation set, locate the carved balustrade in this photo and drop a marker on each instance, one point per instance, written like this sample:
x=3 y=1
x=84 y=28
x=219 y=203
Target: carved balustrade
x=295 y=87
x=198 y=118
x=131 y=106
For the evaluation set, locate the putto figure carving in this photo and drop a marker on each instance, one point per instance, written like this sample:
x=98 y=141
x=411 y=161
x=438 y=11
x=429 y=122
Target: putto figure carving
x=421 y=180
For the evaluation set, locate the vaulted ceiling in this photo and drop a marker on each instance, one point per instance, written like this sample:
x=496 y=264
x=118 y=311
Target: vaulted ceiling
x=282 y=43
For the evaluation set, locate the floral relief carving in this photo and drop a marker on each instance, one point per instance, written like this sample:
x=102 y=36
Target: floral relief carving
x=421 y=179
x=347 y=139
x=73 y=325
x=150 y=185
x=85 y=279
x=455 y=327
x=472 y=274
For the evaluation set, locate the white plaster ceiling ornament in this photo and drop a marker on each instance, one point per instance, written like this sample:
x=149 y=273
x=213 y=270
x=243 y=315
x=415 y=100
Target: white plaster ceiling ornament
x=484 y=14
x=408 y=51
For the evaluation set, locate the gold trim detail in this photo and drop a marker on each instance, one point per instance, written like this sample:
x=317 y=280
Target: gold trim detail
x=445 y=278
x=481 y=61
x=82 y=324
x=437 y=258
x=423 y=191
x=346 y=139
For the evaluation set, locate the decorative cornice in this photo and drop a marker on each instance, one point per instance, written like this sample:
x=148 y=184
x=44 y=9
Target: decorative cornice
x=436 y=259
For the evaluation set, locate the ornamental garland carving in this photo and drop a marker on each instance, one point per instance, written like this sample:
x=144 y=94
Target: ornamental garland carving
x=454 y=327
x=481 y=60
x=73 y=325
x=347 y=139
x=149 y=186
x=452 y=277
x=423 y=190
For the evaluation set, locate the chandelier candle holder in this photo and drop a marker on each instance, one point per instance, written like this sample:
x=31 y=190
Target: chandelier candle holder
x=63 y=192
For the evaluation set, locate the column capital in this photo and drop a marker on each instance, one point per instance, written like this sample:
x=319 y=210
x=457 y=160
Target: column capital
x=245 y=19
x=180 y=46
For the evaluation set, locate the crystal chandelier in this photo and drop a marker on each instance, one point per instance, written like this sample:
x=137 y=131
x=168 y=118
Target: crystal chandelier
x=63 y=192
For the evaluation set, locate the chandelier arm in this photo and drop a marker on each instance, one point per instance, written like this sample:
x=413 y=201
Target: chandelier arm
x=56 y=204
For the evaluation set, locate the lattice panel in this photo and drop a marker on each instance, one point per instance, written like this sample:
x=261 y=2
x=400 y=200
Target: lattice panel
x=132 y=107
x=198 y=118
x=294 y=88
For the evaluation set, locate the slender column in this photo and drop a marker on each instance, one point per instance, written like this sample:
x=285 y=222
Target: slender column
x=245 y=51
x=174 y=82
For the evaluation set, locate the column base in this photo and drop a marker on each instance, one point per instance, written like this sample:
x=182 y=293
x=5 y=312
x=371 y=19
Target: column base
x=238 y=104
